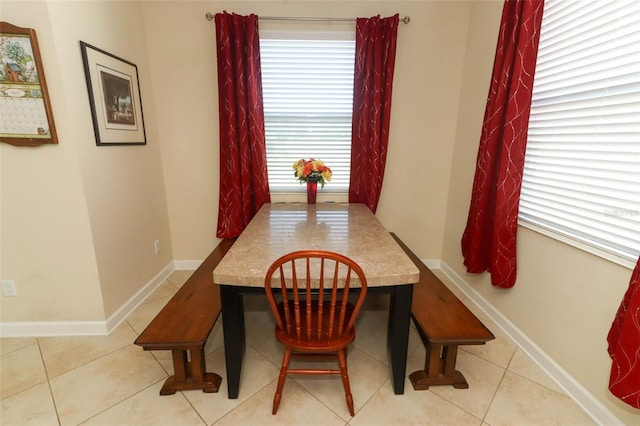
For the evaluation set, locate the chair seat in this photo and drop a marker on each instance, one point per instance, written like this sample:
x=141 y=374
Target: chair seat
x=317 y=345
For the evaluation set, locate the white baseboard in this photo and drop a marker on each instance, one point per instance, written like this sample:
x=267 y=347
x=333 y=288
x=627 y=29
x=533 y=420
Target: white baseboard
x=433 y=263
x=121 y=314
x=53 y=328
x=187 y=265
x=590 y=404
x=84 y=328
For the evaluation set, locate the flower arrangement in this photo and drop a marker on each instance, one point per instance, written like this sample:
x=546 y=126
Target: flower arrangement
x=312 y=171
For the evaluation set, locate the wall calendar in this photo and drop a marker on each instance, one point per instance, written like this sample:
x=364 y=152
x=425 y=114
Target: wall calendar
x=26 y=118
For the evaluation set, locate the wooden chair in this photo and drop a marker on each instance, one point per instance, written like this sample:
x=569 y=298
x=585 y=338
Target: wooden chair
x=314 y=318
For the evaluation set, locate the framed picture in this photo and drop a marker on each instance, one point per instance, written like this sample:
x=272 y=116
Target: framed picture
x=27 y=119
x=114 y=95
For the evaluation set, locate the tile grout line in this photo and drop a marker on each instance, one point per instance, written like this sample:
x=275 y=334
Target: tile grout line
x=46 y=373
x=504 y=373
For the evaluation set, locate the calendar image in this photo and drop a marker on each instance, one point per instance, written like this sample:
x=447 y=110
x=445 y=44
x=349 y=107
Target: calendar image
x=25 y=112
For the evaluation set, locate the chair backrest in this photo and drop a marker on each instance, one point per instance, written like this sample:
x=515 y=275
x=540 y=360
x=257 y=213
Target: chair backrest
x=314 y=287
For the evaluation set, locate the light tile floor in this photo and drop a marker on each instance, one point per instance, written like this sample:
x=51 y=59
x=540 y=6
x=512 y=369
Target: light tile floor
x=110 y=381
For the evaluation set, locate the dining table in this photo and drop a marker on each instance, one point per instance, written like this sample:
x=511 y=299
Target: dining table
x=350 y=229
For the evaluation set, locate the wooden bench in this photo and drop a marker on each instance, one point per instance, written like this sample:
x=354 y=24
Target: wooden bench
x=443 y=323
x=183 y=327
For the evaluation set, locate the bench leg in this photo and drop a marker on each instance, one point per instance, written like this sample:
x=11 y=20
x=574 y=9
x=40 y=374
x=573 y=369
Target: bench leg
x=190 y=375
x=439 y=368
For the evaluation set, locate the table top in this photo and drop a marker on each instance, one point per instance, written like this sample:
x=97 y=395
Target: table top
x=349 y=229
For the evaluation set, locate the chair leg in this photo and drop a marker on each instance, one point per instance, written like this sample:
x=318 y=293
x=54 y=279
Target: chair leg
x=342 y=360
x=283 y=376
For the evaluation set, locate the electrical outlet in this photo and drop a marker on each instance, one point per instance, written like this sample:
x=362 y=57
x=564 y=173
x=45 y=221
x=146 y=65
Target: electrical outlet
x=156 y=246
x=8 y=288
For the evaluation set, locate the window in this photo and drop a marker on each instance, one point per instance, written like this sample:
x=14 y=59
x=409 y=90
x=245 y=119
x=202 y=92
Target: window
x=582 y=169
x=308 y=99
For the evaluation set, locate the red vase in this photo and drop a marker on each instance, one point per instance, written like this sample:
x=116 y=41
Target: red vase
x=312 y=190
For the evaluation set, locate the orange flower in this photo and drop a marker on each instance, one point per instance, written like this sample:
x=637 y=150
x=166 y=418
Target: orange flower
x=311 y=171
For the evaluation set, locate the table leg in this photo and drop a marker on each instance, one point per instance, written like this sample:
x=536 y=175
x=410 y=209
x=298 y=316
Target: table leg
x=398 y=333
x=234 y=335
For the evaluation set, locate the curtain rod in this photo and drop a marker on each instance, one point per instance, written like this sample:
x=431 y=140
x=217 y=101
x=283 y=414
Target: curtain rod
x=210 y=16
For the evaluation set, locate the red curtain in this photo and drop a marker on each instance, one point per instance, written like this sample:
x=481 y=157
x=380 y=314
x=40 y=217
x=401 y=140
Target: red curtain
x=373 y=83
x=489 y=240
x=624 y=345
x=244 y=186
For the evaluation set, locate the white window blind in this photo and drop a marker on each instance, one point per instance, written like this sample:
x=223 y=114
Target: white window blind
x=308 y=98
x=582 y=168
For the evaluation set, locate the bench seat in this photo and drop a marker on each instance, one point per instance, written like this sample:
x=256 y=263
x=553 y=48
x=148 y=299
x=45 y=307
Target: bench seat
x=183 y=327
x=443 y=323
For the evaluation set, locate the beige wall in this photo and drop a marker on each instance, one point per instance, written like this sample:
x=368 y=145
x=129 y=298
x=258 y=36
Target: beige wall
x=78 y=222
x=47 y=244
x=564 y=299
x=430 y=54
